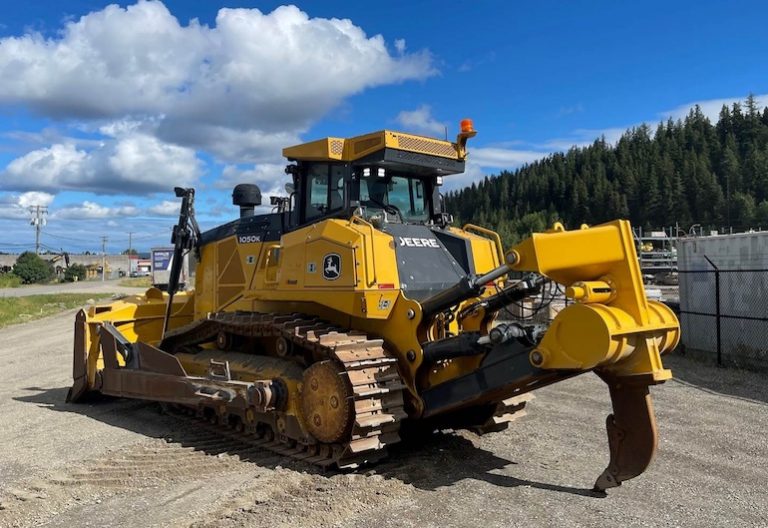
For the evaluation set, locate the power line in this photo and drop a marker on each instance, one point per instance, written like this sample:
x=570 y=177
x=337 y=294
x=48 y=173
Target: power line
x=51 y=248
x=62 y=237
x=10 y=244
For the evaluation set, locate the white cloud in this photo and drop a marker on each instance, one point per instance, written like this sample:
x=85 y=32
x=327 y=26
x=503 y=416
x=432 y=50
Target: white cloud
x=270 y=177
x=421 y=121
x=15 y=206
x=92 y=210
x=711 y=107
x=148 y=163
x=236 y=89
x=164 y=208
x=484 y=161
x=243 y=146
x=501 y=158
x=133 y=164
x=583 y=137
x=35 y=198
x=472 y=173
x=483 y=158
x=43 y=167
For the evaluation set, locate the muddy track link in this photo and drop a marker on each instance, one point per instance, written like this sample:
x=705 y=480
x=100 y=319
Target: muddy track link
x=375 y=385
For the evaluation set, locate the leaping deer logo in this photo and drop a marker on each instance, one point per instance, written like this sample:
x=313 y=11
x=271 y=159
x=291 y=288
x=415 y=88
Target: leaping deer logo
x=331 y=266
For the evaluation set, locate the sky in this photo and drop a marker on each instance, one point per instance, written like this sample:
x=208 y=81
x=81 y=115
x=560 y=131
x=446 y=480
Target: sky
x=104 y=108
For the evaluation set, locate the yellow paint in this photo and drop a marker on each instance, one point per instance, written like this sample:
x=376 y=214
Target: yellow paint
x=590 y=292
x=138 y=318
x=625 y=334
x=612 y=325
x=350 y=149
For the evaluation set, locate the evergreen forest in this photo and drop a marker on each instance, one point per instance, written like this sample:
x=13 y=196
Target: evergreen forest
x=686 y=172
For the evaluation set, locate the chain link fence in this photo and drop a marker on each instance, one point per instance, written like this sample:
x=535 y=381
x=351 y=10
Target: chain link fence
x=724 y=315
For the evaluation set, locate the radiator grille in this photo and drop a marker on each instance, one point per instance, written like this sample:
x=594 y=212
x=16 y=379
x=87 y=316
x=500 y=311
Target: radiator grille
x=337 y=147
x=426 y=146
x=365 y=144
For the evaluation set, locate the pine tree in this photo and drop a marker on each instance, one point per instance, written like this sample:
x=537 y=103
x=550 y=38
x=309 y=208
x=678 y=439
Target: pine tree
x=689 y=171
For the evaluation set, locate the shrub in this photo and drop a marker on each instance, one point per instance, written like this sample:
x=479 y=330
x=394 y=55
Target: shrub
x=30 y=268
x=9 y=280
x=75 y=272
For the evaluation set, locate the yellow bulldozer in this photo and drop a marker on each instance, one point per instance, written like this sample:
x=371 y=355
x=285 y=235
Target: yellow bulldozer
x=355 y=311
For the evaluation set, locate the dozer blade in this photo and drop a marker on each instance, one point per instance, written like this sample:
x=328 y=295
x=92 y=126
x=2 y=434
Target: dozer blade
x=632 y=432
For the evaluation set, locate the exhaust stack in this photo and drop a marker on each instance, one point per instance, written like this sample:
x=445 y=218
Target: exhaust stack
x=246 y=196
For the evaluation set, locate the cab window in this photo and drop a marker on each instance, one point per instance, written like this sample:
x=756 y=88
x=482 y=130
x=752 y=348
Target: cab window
x=325 y=190
x=394 y=194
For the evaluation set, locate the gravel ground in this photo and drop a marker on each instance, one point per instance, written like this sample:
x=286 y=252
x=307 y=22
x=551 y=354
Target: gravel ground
x=110 y=286
x=123 y=463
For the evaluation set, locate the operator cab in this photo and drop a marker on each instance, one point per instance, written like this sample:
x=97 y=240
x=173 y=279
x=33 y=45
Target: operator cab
x=385 y=177
x=378 y=194
x=391 y=179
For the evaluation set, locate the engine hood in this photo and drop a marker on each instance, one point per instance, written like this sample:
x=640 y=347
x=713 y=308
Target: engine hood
x=429 y=260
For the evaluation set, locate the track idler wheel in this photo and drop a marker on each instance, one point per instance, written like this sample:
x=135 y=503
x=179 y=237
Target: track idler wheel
x=327 y=402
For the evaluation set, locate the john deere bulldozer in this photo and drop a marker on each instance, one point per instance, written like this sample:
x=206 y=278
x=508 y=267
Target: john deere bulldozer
x=355 y=311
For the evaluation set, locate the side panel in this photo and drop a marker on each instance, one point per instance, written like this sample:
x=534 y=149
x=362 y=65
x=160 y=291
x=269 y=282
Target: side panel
x=483 y=250
x=229 y=257
x=345 y=266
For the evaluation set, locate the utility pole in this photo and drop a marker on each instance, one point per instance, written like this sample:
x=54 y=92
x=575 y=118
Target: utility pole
x=130 y=253
x=38 y=220
x=103 y=258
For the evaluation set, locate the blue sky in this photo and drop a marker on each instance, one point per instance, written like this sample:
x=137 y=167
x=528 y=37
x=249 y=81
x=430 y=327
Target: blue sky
x=104 y=108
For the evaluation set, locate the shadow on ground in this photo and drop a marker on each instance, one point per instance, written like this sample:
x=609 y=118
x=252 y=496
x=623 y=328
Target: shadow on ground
x=708 y=377
x=444 y=458
x=427 y=462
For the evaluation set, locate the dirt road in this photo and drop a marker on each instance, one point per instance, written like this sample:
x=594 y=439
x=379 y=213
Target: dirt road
x=95 y=287
x=121 y=463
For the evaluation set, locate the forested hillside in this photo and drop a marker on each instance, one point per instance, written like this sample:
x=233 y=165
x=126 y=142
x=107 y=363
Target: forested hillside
x=688 y=172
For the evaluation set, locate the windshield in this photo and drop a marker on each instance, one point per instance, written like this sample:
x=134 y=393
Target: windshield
x=394 y=195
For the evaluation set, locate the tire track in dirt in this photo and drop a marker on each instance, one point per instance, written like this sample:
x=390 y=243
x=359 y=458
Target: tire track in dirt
x=190 y=455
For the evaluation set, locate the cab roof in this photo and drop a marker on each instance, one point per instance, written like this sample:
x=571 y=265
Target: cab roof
x=383 y=147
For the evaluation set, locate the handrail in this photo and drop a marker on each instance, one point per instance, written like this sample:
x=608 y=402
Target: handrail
x=270 y=250
x=354 y=219
x=487 y=232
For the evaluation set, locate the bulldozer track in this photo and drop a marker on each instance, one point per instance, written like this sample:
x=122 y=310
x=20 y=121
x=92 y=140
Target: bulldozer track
x=369 y=370
x=506 y=412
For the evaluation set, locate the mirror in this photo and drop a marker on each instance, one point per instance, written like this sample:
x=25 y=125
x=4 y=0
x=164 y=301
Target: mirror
x=289 y=188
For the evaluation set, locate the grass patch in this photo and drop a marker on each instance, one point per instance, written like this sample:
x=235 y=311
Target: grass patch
x=15 y=310
x=9 y=280
x=136 y=282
